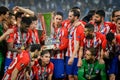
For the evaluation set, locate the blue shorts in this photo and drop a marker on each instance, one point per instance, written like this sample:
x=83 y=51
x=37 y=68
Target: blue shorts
x=71 y=69
x=59 y=71
x=114 y=66
x=7 y=63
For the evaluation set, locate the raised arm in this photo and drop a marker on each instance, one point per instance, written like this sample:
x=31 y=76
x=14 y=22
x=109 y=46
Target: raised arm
x=25 y=10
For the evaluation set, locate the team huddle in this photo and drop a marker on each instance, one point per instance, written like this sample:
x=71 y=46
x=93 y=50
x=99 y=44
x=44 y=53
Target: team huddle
x=87 y=49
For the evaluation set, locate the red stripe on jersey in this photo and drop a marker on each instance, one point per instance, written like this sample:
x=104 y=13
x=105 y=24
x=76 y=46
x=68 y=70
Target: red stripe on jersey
x=16 y=39
x=61 y=34
x=75 y=34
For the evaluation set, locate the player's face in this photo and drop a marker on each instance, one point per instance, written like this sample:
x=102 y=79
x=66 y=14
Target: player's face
x=4 y=17
x=46 y=58
x=33 y=25
x=97 y=18
x=7 y=15
x=118 y=25
x=71 y=16
x=58 y=19
x=88 y=55
x=13 y=20
x=116 y=15
x=86 y=31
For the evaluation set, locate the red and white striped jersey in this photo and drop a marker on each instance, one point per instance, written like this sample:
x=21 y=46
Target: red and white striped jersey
x=18 y=39
x=41 y=73
x=99 y=41
x=102 y=28
x=118 y=38
x=66 y=24
x=34 y=37
x=112 y=26
x=75 y=34
x=62 y=35
x=20 y=62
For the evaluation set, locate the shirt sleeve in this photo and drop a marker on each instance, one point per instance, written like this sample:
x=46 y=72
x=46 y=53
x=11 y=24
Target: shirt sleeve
x=51 y=66
x=37 y=36
x=104 y=41
x=30 y=37
x=64 y=39
x=11 y=38
x=35 y=72
x=118 y=39
x=112 y=26
x=102 y=73
x=80 y=35
x=23 y=62
x=81 y=72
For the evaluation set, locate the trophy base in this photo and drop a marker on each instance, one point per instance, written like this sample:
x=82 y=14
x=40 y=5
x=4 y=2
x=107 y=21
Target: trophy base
x=48 y=47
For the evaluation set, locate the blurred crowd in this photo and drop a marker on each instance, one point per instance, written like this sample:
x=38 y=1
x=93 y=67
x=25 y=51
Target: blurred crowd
x=42 y=6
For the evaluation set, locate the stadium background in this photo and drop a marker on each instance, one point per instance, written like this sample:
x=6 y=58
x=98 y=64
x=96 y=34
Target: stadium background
x=43 y=6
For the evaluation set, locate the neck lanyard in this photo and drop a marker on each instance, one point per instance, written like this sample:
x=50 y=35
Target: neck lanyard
x=90 y=70
x=33 y=37
x=42 y=75
x=101 y=27
x=57 y=33
x=22 y=37
x=71 y=30
x=95 y=41
x=90 y=42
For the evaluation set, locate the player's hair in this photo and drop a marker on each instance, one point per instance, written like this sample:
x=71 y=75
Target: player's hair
x=92 y=50
x=101 y=13
x=110 y=36
x=42 y=54
x=75 y=8
x=34 y=18
x=76 y=13
x=26 y=21
x=3 y=10
x=113 y=13
x=34 y=47
x=18 y=15
x=90 y=27
x=88 y=17
x=59 y=13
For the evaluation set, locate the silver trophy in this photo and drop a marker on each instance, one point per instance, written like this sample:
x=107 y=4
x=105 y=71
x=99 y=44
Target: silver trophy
x=50 y=42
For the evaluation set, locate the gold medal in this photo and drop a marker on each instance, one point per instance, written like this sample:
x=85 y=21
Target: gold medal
x=89 y=77
x=22 y=47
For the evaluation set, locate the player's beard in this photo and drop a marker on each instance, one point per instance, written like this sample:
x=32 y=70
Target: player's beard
x=59 y=25
x=98 y=22
x=90 y=60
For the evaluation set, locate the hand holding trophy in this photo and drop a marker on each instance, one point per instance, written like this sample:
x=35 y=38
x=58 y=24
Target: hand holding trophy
x=49 y=43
